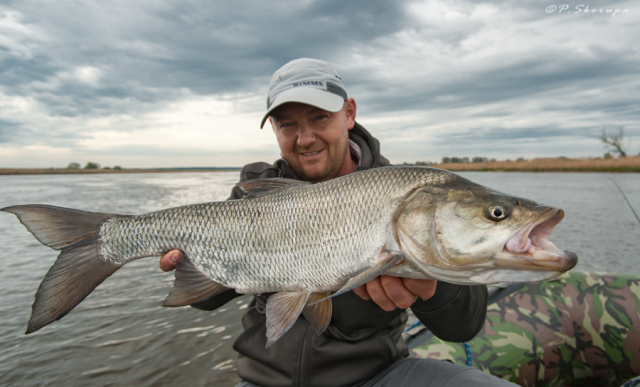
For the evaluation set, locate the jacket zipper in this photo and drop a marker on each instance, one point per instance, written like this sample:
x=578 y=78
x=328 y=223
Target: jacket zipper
x=303 y=375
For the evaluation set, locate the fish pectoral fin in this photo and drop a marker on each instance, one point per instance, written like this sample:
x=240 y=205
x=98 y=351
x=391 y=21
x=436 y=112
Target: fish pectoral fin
x=260 y=187
x=319 y=315
x=282 y=312
x=386 y=261
x=191 y=286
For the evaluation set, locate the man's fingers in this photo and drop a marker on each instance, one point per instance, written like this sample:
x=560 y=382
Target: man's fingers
x=397 y=292
x=379 y=296
x=361 y=291
x=169 y=261
x=425 y=289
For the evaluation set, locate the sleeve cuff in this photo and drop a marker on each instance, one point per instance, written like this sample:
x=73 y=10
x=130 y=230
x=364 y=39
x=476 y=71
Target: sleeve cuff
x=217 y=301
x=445 y=292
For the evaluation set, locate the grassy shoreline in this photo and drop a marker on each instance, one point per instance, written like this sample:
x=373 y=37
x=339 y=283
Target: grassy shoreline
x=65 y=171
x=559 y=164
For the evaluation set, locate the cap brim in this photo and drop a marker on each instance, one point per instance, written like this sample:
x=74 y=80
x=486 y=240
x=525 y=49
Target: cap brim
x=308 y=96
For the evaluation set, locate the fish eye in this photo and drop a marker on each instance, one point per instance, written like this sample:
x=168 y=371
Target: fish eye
x=498 y=212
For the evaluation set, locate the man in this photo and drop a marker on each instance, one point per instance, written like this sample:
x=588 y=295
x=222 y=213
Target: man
x=314 y=123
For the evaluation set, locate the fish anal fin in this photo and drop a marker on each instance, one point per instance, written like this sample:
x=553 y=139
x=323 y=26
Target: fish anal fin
x=191 y=286
x=386 y=261
x=260 y=187
x=282 y=312
x=318 y=315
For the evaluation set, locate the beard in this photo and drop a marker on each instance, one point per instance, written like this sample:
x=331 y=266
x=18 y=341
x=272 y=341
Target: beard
x=317 y=172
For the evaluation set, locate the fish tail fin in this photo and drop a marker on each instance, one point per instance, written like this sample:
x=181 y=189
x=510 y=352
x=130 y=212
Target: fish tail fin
x=79 y=268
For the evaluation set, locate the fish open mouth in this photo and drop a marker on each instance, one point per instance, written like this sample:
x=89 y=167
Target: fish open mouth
x=531 y=243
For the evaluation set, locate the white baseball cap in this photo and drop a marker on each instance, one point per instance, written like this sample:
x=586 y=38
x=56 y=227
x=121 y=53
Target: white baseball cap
x=310 y=81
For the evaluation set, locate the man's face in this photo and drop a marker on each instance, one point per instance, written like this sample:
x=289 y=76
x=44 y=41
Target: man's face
x=314 y=142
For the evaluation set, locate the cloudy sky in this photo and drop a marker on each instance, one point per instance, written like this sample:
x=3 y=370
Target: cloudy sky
x=152 y=83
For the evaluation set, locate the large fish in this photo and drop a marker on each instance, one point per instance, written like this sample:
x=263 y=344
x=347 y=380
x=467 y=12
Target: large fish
x=304 y=241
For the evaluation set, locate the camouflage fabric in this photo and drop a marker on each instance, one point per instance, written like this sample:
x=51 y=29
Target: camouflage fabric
x=580 y=330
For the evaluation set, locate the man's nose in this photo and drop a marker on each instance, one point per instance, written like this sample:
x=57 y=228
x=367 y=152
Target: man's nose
x=306 y=136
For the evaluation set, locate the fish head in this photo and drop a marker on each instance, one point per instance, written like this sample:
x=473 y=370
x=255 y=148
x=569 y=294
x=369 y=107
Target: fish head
x=469 y=234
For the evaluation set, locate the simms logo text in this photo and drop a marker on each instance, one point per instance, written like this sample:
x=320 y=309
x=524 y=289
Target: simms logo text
x=309 y=83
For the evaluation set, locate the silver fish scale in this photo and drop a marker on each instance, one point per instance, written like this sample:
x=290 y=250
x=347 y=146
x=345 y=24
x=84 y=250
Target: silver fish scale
x=311 y=237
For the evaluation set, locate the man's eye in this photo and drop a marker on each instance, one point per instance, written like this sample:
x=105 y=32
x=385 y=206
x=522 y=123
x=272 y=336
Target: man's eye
x=320 y=117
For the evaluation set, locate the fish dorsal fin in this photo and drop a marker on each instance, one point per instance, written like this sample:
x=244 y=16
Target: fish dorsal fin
x=260 y=187
x=319 y=315
x=191 y=286
x=282 y=312
x=386 y=261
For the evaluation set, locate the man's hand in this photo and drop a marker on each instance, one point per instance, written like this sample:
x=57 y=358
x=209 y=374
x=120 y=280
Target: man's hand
x=393 y=292
x=169 y=261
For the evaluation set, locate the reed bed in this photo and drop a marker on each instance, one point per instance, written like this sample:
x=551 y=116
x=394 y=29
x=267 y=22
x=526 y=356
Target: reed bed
x=559 y=164
x=54 y=171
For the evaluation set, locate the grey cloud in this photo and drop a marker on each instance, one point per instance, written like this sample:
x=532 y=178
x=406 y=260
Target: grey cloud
x=9 y=131
x=209 y=48
x=527 y=77
x=147 y=52
x=494 y=135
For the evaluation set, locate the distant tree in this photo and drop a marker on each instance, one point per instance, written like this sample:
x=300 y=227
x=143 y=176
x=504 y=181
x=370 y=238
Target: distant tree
x=478 y=159
x=73 y=166
x=493 y=160
x=608 y=155
x=615 y=141
x=106 y=167
x=446 y=160
x=464 y=160
x=91 y=165
x=455 y=159
x=423 y=163
x=117 y=167
x=520 y=159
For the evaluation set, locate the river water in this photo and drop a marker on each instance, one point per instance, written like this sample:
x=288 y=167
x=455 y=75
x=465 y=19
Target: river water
x=120 y=335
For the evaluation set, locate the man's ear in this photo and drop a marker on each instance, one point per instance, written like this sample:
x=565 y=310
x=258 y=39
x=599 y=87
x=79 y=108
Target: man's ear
x=273 y=125
x=350 y=111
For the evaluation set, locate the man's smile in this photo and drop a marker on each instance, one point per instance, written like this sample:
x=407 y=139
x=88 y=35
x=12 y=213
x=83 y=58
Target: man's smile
x=309 y=154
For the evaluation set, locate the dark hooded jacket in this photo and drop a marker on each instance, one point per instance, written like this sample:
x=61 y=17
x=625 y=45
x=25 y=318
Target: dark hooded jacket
x=362 y=339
